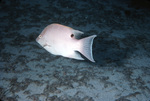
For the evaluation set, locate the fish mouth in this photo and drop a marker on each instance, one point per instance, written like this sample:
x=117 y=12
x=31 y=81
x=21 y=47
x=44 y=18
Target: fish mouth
x=46 y=45
x=37 y=39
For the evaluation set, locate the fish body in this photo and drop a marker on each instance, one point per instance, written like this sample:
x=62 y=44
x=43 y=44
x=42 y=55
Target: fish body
x=62 y=40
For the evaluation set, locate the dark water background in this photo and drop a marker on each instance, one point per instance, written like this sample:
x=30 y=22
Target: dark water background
x=121 y=51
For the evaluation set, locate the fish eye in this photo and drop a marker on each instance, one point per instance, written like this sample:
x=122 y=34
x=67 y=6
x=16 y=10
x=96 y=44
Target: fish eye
x=40 y=36
x=72 y=35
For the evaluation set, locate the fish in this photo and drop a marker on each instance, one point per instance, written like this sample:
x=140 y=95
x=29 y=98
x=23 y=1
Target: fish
x=64 y=41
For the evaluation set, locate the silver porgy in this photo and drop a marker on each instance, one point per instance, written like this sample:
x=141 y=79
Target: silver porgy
x=62 y=40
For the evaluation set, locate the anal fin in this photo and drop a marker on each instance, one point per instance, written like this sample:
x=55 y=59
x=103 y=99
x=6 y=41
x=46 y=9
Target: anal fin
x=76 y=55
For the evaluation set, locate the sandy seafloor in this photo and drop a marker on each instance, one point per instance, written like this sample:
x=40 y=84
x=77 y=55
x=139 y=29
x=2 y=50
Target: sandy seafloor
x=121 y=51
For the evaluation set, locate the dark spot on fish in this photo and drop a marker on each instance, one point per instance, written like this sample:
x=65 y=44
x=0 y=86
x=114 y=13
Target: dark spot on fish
x=72 y=35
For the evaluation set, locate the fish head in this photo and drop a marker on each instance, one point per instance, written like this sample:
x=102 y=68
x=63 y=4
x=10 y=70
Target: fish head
x=42 y=40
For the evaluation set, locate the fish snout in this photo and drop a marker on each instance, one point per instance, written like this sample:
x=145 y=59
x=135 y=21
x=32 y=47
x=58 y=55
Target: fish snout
x=39 y=37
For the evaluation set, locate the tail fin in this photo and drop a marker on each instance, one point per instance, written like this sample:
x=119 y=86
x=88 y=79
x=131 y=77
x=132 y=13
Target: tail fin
x=86 y=47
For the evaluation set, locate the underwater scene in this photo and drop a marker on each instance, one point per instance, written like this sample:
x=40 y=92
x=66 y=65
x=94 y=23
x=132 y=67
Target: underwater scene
x=109 y=61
